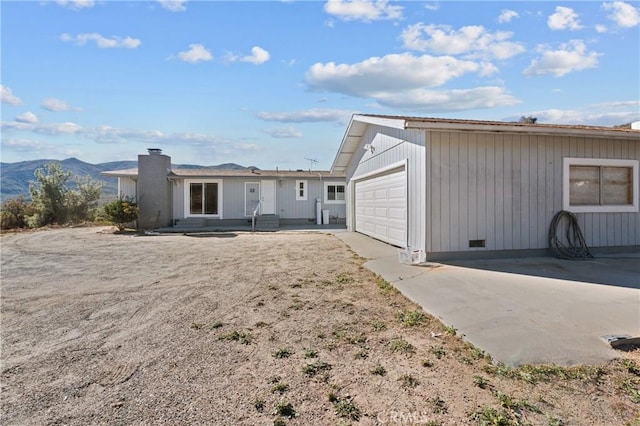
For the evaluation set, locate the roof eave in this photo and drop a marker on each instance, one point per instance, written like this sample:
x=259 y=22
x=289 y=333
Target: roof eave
x=530 y=129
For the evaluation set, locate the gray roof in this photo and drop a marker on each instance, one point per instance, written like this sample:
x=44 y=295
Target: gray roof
x=359 y=123
x=253 y=173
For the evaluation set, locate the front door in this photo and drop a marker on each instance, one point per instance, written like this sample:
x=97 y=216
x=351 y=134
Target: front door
x=251 y=197
x=268 y=197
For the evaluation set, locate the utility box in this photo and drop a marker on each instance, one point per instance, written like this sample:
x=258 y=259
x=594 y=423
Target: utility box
x=325 y=217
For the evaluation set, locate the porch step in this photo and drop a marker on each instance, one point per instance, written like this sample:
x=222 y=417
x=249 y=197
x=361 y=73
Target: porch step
x=191 y=223
x=267 y=222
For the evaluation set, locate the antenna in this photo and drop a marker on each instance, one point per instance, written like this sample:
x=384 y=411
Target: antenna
x=312 y=162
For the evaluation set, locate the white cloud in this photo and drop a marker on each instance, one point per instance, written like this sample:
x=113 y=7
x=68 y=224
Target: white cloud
x=507 y=15
x=623 y=14
x=27 y=117
x=55 y=105
x=406 y=82
x=570 y=57
x=601 y=28
x=314 y=115
x=7 y=96
x=390 y=73
x=363 y=10
x=101 y=41
x=37 y=148
x=258 y=56
x=564 y=18
x=174 y=5
x=472 y=41
x=196 y=53
x=76 y=4
x=601 y=114
x=283 y=132
x=436 y=101
x=432 y=6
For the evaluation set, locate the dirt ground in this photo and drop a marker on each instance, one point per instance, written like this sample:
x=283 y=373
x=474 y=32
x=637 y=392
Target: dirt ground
x=254 y=329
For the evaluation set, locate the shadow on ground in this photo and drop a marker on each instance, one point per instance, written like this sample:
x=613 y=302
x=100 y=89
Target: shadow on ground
x=617 y=270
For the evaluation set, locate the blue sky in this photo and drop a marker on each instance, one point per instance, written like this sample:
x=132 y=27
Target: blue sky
x=271 y=83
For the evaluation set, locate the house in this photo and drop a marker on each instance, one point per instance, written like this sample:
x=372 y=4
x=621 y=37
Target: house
x=208 y=198
x=464 y=188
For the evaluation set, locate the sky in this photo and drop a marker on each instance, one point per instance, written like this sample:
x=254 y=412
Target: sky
x=274 y=83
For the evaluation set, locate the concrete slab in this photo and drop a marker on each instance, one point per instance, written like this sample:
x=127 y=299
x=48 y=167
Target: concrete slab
x=521 y=311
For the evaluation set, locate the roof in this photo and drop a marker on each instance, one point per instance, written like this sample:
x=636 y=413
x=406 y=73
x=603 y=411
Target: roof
x=253 y=173
x=359 y=123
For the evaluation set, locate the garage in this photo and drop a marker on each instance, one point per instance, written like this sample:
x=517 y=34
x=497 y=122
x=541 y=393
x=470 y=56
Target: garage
x=381 y=207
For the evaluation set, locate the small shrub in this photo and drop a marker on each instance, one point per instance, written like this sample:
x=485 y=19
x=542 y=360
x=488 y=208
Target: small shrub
x=400 y=345
x=239 y=336
x=427 y=363
x=344 y=279
x=280 y=387
x=379 y=370
x=407 y=381
x=283 y=353
x=121 y=212
x=385 y=286
x=310 y=353
x=491 y=417
x=215 y=325
x=450 y=330
x=439 y=351
x=14 y=213
x=346 y=408
x=315 y=368
x=378 y=325
x=480 y=382
x=412 y=318
x=439 y=406
x=284 y=409
x=259 y=404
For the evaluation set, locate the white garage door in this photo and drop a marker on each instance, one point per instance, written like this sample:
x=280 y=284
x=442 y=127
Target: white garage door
x=381 y=207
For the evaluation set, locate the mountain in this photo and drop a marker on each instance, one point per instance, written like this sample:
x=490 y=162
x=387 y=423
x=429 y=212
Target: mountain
x=15 y=177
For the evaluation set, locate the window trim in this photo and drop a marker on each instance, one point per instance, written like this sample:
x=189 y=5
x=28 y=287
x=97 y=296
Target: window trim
x=326 y=192
x=302 y=197
x=187 y=197
x=567 y=162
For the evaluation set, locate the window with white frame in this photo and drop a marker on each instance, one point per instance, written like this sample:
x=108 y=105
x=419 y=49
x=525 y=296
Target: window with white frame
x=301 y=190
x=595 y=185
x=333 y=193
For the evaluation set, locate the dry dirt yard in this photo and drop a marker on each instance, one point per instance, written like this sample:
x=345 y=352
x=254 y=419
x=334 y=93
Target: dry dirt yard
x=254 y=329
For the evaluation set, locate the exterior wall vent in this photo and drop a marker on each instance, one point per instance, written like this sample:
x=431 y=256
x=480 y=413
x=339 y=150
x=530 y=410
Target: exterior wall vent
x=477 y=243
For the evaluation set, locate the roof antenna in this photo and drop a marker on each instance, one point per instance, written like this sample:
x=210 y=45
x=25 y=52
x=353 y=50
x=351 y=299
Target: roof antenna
x=312 y=162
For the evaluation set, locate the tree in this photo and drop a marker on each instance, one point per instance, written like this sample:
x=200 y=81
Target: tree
x=528 y=120
x=49 y=193
x=55 y=202
x=121 y=212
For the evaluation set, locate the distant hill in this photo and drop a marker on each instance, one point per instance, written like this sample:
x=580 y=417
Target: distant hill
x=15 y=177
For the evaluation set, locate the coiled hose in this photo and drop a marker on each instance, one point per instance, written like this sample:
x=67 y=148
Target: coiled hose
x=575 y=246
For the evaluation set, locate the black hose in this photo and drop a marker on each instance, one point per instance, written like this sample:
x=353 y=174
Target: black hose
x=574 y=246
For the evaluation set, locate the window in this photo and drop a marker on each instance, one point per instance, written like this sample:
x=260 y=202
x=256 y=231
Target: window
x=301 y=190
x=333 y=193
x=203 y=198
x=592 y=185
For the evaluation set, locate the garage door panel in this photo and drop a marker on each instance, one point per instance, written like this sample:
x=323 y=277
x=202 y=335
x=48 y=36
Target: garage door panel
x=381 y=207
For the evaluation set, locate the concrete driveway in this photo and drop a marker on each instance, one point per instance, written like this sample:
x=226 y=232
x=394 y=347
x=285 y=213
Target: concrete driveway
x=524 y=310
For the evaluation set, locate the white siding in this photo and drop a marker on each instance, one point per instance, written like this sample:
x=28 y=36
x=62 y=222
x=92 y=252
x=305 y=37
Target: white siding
x=127 y=187
x=506 y=188
x=286 y=204
x=391 y=146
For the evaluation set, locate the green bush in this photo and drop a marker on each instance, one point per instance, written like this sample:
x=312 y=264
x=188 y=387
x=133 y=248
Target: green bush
x=14 y=213
x=121 y=212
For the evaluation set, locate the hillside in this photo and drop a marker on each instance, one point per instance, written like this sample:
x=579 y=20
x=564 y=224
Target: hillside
x=15 y=177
